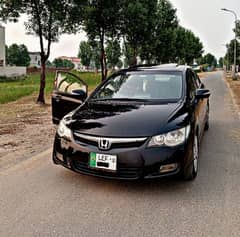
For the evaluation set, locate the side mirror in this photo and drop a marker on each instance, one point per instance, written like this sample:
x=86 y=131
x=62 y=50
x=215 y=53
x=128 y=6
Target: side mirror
x=80 y=94
x=202 y=93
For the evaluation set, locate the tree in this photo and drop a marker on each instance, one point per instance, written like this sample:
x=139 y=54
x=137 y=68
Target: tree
x=138 y=24
x=165 y=35
x=63 y=63
x=188 y=46
x=6 y=53
x=210 y=60
x=102 y=20
x=46 y=19
x=85 y=53
x=230 y=53
x=193 y=46
x=238 y=28
x=113 y=53
x=221 y=62
x=17 y=55
x=96 y=57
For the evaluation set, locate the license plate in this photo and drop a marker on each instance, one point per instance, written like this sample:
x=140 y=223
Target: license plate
x=103 y=161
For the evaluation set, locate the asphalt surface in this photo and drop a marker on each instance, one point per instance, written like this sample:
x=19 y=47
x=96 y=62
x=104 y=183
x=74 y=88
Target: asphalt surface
x=38 y=198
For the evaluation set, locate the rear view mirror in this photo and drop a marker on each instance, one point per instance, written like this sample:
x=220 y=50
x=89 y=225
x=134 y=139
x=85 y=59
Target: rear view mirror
x=81 y=94
x=202 y=93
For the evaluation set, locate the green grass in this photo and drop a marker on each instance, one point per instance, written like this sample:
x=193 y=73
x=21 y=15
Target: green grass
x=12 y=89
x=92 y=79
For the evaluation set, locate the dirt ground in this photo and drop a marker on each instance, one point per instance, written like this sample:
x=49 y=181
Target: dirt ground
x=235 y=87
x=25 y=130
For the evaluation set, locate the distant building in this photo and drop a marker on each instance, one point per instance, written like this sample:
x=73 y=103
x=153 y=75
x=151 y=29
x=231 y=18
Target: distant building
x=2 y=47
x=6 y=71
x=35 y=59
x=76 y=61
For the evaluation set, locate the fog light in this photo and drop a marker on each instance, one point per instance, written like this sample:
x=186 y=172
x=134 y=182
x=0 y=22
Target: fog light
x=168 y=168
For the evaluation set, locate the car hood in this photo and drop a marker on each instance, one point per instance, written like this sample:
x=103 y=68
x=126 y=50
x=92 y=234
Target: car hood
x=121 y=119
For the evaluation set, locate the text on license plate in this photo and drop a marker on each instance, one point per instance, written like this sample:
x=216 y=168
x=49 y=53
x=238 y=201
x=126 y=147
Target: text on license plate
x=103 y=161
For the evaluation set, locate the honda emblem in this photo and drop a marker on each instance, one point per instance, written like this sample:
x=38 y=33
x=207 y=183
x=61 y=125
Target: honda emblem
x=104 y=144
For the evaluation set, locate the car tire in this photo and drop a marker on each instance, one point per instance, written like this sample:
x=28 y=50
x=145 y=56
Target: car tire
x=190 y=171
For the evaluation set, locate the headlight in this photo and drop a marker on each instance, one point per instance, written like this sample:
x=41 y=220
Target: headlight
x=173 y=138
x=63 y=130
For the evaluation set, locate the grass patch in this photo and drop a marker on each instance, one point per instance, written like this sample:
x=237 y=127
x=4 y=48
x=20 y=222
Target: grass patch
x=92 y=79
x=12 y=89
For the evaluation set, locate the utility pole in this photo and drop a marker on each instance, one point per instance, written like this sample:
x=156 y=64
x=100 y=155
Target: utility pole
x=235 y=42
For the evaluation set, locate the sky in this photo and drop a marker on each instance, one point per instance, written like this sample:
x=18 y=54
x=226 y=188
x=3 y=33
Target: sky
x=204 y=18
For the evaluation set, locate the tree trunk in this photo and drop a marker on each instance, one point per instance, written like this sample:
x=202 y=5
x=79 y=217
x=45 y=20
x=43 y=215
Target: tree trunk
x=105 y=65
x=102 y=66
x=41 y=99
x=134 y=58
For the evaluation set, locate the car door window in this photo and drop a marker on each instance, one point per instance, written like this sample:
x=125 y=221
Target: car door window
x=197 y=80
x=69 y=83
x=191 y=84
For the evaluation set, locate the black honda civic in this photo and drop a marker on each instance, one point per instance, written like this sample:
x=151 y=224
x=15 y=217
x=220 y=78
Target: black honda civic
x=142 y=122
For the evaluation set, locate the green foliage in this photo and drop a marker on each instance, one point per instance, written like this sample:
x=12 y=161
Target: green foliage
x=17 y=55
x=113 y=53
x=151 y=31
x=102 y=19
x=210 y=60
x=85 y=53
x=96 y=55
x=229 y=57
x=221 y=62
x=47 y=20
x=62 y=63
x=138 y=24
x=238 y=29
x=165 y=37
x=49 y=64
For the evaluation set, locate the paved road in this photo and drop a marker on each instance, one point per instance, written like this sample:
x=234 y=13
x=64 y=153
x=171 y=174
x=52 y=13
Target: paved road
x=40 y=199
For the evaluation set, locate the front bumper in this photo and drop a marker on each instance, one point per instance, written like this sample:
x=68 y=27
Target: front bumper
x=132 y=164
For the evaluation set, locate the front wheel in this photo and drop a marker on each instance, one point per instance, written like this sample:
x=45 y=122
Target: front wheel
x=190 y=171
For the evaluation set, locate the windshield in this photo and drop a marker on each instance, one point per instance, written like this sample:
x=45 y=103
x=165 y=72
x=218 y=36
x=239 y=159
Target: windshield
x=142 y=86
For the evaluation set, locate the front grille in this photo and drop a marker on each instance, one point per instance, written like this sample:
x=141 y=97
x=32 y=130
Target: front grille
x=115 y=143
x=125 y=173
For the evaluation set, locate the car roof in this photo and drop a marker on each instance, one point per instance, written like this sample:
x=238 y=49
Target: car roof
x=155 y=67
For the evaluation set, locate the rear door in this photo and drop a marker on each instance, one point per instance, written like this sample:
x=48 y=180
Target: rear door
x=69 y=92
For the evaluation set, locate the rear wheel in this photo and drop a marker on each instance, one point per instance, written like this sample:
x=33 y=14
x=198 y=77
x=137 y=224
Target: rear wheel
x=190 y=171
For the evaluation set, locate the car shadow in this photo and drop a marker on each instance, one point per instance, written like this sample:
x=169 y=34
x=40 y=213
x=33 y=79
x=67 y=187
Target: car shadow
x=167 y=186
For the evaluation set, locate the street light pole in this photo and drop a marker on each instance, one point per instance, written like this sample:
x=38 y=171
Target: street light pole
x=235 y=41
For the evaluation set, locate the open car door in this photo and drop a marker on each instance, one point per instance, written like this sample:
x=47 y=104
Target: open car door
x=69 y=92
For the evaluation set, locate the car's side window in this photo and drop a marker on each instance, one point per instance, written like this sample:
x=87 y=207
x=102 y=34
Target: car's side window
x=197 y=80
x=191 y=84
x=69 y=83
